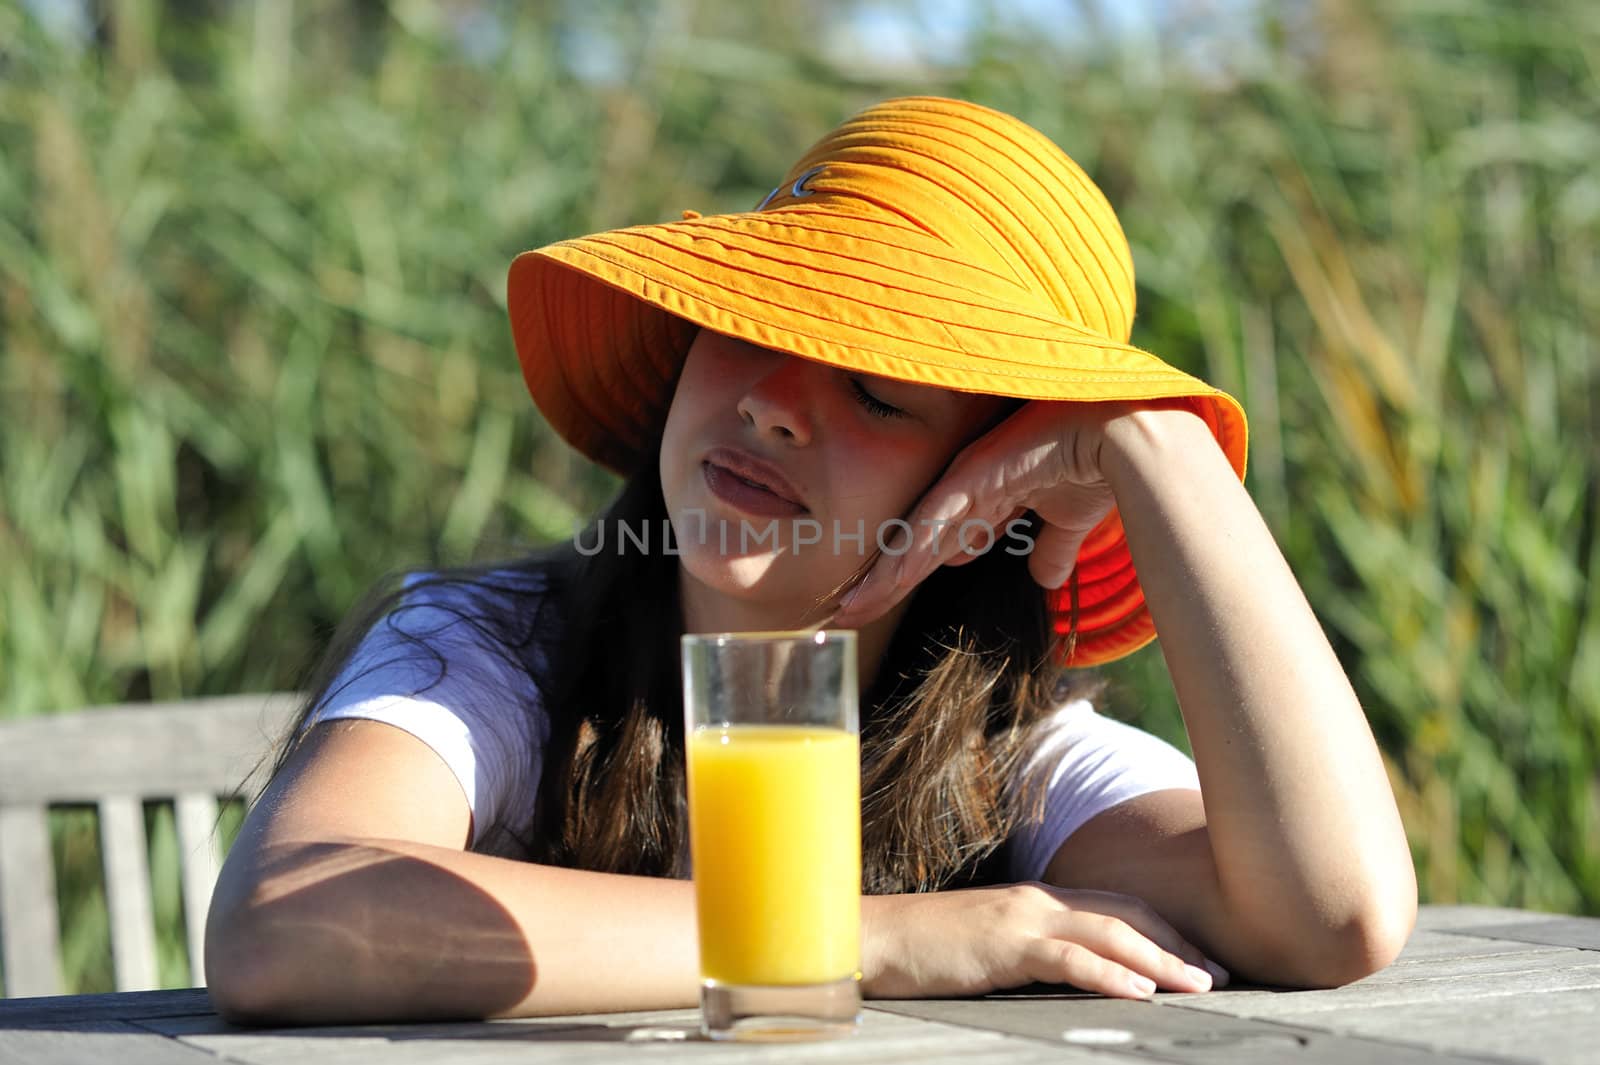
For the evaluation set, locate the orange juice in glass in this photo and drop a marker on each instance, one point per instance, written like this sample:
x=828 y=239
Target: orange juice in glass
x=774 y=765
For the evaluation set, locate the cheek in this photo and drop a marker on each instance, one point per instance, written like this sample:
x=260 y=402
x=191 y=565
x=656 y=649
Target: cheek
x=672 y=439
x=889 y=480
x=707 y=384
x=689 y=402
x=677 y=440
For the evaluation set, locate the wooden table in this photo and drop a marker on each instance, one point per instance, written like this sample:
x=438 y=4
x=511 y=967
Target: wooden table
x=1474 y=984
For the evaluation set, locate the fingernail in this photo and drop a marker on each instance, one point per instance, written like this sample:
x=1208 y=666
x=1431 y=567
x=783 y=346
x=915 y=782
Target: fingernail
x=1219 y=975
x=849 y=597
x=871 y=580
x=848 y=600
x=1142 y=986
x=1198 y=976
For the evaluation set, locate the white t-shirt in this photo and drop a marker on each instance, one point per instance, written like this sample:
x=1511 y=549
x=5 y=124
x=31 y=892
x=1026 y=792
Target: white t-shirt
x=427 y=670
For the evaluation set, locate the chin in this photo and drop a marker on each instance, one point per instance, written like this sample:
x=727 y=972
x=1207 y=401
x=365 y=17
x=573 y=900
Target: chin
x=749 y=577
x=756 y=582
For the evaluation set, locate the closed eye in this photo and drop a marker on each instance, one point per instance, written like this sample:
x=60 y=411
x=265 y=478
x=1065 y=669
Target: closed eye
x=875 y=406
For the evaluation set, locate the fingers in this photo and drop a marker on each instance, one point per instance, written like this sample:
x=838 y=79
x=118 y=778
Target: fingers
x=935 y=538
x=1074 y=513
x=1103 y=970
x=1132 y=927
x=951 y=525
x=985 y=486
x=1060 y=961
x=1031 y=461
x=1054 y=554
x=1117 y=945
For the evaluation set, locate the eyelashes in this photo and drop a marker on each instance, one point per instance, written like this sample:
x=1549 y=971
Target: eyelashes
x=875 y=406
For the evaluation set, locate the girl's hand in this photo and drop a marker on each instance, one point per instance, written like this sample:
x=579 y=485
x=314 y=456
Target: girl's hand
x=1046 y=458
x=977 y=940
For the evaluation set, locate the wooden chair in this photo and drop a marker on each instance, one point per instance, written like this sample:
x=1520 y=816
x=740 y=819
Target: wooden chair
x=118 y=757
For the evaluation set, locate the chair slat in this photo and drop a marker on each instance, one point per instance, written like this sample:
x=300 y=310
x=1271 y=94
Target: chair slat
x=200 y=852
x=138 y=749
x=116 y=757
x=127 y=862
x=29 y=927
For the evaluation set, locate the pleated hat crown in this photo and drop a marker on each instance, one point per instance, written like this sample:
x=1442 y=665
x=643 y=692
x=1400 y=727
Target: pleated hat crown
x=927 y=240
x=1003 y=198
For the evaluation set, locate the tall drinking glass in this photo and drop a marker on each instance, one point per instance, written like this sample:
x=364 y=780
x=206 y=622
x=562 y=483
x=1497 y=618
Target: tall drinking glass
x=774 y=752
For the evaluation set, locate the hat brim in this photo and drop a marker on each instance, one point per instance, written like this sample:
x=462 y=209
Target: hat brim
x=602 y=324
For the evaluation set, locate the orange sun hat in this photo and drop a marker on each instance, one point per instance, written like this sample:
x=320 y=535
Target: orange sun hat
x=927 y=240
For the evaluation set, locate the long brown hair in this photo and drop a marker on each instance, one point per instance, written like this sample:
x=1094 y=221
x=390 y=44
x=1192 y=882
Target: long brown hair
x=946 y=726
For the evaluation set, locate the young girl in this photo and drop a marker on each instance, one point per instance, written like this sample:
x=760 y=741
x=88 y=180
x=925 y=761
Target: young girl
x=896 y=397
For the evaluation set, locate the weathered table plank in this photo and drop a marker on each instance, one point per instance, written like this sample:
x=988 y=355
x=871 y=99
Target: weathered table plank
x=1465 y=982
x=884 y=1038
x=123 y=1006
x=1156 y=1031
x=1560 y=931
x=1425 y=947
x=1438 y=918
x=1472 y=981
x=75 y=1043
x=1553 y=1028
x=1475 y=984
x=1511 y=958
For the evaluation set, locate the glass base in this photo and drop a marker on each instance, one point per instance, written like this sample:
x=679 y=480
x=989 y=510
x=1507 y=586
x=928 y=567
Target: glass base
x=795 y=1014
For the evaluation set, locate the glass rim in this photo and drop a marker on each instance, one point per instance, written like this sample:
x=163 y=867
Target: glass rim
x=819 y=637
x=810 y=726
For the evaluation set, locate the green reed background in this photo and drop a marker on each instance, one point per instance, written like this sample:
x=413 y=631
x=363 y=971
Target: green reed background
x=253 y=351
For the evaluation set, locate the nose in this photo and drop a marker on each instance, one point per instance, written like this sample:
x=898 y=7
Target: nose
x=778 y=401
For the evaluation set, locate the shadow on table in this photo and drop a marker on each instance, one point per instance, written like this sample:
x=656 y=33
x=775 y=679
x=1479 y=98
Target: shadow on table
x=519 y=1030
x=557 y=1031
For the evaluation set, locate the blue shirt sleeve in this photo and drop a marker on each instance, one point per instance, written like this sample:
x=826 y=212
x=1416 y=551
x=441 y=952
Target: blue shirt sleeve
x=429 y=669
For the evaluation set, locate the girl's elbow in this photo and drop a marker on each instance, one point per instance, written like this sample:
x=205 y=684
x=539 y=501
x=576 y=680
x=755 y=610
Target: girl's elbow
x=256 y=974
x=1359 y=955
x=1319 y=950
x=1365 y=944
x=1384 y=934
x=238 y=975
x=239 y=1006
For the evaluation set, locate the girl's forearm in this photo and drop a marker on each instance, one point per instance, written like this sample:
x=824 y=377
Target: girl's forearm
x=378 y=930
x=390 y=930
x=1302 y=821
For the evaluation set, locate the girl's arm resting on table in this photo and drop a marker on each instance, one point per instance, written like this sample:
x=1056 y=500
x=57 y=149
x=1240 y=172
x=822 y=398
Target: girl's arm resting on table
x=348 y=897
x=1296 y=869
x=325 y=914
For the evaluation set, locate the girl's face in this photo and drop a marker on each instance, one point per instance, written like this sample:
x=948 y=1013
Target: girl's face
x=842 y=453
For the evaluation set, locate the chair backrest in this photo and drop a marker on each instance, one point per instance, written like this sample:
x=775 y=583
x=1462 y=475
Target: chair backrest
x=118 y=757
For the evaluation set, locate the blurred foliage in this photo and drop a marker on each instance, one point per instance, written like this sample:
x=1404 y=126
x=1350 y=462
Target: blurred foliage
x=253 y=351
